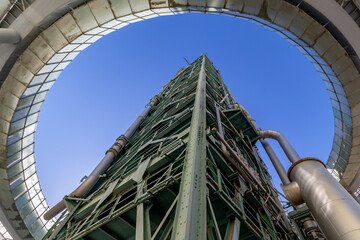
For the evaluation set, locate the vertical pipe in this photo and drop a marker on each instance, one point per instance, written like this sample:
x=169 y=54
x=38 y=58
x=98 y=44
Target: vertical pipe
x=276 y=162
x=190 y=214
x=335 y=210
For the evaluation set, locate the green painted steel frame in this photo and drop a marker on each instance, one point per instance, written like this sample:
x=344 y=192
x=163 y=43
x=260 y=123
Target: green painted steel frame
x=175 y=181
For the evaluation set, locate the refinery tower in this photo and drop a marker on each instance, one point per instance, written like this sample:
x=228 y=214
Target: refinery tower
x=188 y=168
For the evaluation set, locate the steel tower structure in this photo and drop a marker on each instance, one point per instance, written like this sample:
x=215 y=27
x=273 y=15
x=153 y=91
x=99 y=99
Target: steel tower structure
x=39 y=38
x=186 y=169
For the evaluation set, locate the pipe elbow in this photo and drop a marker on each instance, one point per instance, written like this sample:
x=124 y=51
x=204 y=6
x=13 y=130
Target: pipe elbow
x=270 y=134
x=290 y=152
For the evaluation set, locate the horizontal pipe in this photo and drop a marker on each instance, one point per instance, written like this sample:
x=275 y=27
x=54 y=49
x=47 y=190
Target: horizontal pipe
x=8 y=35
x=104 y=163
x=290 y=152
x=276 y=162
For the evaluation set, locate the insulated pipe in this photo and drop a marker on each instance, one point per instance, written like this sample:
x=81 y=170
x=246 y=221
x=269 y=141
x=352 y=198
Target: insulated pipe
x=276 y=162
x=8 y=35
x=105 y=162
x=335 y=210
x=290 y=152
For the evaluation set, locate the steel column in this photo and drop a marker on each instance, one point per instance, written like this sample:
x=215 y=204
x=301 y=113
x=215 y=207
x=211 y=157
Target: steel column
x=190 y=216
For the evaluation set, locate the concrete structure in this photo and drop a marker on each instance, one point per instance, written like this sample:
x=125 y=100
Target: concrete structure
x=43 y=37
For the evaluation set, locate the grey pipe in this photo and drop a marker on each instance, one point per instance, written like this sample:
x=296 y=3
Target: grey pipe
x=335 y=210
x=290 y=152
x=270 y=152
x=8 y=35
x=276 y=162
x=291 y=189
x=104 y=163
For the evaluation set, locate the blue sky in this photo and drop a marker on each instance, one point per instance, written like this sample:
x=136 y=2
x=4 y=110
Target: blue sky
x=107 y=86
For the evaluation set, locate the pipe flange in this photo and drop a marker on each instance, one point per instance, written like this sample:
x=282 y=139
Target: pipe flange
x=118 y=145
x=154 y=101
x=112 y=151
x=125 y=140
x=300 y=161
x=121 y=138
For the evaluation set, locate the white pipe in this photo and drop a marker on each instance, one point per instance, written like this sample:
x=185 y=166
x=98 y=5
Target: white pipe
x=104 y=163
x=8 y=35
